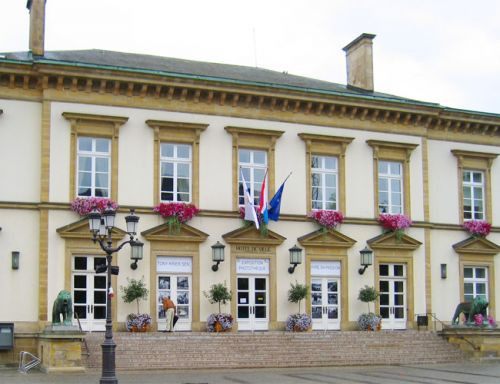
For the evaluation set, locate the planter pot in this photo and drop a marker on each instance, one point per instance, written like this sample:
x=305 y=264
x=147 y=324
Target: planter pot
x=144 y=328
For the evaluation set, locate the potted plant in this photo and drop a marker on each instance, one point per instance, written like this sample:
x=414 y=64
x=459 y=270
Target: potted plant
x=298 y=322
x=219 y=322
x=369 y=321
x=136 y=290
x=176 y=214
x=327 y=219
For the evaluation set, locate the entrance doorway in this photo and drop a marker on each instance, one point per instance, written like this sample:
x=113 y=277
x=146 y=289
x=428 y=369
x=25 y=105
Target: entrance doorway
x=393 y=300
x=325 y=309
x=88 y=291
x=252 y=305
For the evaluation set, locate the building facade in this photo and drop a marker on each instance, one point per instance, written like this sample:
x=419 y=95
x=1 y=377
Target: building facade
x=143 y=130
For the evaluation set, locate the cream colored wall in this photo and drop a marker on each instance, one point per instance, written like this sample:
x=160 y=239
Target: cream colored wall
x=20 y=127
x=19 y=287
x=443 y=181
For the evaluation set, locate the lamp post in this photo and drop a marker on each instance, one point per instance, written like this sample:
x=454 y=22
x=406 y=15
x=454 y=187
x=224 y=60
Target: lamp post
x=295 y=258
x=217 y=255
x=365 y=259
x=101 y=227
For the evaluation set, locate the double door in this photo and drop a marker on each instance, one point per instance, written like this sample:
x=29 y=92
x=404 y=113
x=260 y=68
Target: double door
x=252 y=303
x=325 y=308
x=178 y=287
x=393 y=300
x=88 y=291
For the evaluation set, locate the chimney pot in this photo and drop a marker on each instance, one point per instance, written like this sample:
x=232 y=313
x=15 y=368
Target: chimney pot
x=359 y=62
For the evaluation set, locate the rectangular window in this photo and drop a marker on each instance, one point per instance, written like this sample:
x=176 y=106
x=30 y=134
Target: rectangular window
x=390 y=187
x=475 y=283
x=473 y=191
x=175 y=172
x=94 y=167
x=324 y=182
x=253 y=164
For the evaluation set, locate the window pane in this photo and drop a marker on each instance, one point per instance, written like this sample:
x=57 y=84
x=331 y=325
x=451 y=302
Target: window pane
x=184 y=197
x=480 y=288
x=242 y=284
x=478 y=193
x=395 y=168
x=317 y=205
x=260 y=284
x=330 y=180
x=183 y=151
x=167 y=196
x=101 y=164
x=102 y=145
x=383 y=270
x=384 y=299
x=330 y=163
x=316 y=312
x=182 y=170
x=480 y=273
x=84 y=144
x=84 y=163
x=331 y=205
x=167 y=184
x=183 y=185
x=467 y=272
x=101 y=192
x=383 y=184
x=99 y=297
x=477 y=177
x=398 y=270
x=100 y=281
x=246 y=174
x=331 y=194
x=316 y=179
x=259 y=157
x=83 y=192
x=167 y=169
x=396 y=199
x=101 y=180
x=243 y=312
x=315 y=162
x=259 y=175
x=466 y=176
x=80 y=297
x=81 y=263
x=383 y=198
x=79 y=282
x=244 y=156
x=84 y=179
x=317 y=194
x=383 y=167
x=167 y=150
x=466 y=192
x=468 y=288
x=395 y=185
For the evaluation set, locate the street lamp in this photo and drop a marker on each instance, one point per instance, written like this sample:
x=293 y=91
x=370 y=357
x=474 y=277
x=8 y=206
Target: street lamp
x=295 y=258
x=101 y=227
x=365 y=259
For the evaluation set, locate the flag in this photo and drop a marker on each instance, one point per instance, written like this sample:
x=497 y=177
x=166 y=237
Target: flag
x=263 y=201
x=275 y=203
x=250 y=214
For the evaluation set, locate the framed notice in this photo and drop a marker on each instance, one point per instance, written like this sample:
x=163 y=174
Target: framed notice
x=252 y=266
x=325 y=268
x=165 y=264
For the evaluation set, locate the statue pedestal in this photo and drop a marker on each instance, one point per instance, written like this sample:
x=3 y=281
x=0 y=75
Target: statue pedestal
x=60 y=349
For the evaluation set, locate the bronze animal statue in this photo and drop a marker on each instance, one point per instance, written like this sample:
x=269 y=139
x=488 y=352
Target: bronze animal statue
x=63 y=306
x=478 y=305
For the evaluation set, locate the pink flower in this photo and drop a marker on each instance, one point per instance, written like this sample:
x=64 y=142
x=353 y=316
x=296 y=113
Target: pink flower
x=478 y=319
x=181 y=211
x=84 y=205
x=491 y=321
x=478 y=227
x=326 y=218
x=394 y=222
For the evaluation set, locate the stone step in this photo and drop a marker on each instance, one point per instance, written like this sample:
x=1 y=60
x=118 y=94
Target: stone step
x=154 y=350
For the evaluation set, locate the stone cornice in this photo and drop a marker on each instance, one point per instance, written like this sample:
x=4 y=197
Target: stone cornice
x=293 y=105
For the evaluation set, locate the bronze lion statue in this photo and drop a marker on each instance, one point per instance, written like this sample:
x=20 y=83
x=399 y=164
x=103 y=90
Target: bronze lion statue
x=470 y=309
x=63 y=306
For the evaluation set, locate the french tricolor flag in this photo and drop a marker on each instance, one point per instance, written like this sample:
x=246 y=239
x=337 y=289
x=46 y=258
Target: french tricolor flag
x=263 y=201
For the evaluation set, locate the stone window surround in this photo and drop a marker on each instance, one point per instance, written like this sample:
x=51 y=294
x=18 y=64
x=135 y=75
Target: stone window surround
x=392 y=151
x=468 y=160
x=324 y=145
x=182 y=133
x=94 y=126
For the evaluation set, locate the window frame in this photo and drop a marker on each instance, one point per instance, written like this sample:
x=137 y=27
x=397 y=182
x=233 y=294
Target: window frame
x=252 y=166
x=390 y=177
x=93 y=154
x=178 y=133
x=251 y=138
x=95 y=126
x=471 y=185
x=324 y=145
x=176 y=161
x=475 y=280
x=397 y=152
x=322 y=172
x=475 y=161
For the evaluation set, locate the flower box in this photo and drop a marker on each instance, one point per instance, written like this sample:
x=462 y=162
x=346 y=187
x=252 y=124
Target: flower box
x=176 y=214
x=84 y=205
x=478 y=228
x=327 y=219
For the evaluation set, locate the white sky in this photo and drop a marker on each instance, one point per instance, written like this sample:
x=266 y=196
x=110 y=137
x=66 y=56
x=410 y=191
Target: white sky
x=444 y=51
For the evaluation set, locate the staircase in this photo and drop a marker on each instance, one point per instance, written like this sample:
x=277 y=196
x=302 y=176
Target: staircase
x=193 y=350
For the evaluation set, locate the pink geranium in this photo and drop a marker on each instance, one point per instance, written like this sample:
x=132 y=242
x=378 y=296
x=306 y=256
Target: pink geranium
x=326 y=218
x=478 y=227
x=176 y=213
x=394 y=222
x=84 y=205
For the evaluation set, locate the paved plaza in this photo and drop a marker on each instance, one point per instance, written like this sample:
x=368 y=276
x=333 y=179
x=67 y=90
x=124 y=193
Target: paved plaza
x=466 y=373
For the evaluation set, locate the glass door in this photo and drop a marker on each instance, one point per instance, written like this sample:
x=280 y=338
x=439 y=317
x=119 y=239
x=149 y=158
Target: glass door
x=325 y=308
x=392 y=300
x=88 y=292
x=178 y=287
x=252 y=304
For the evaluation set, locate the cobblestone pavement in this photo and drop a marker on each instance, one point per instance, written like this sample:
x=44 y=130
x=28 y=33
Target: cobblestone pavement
x=466 y=373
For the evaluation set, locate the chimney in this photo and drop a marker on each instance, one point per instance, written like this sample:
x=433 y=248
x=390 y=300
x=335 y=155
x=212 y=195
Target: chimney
x=37 y=26
x=359 y=62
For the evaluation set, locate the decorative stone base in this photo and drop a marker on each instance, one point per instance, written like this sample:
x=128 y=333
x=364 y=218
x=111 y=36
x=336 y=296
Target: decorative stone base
x=61 y=350
x=479 y=343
